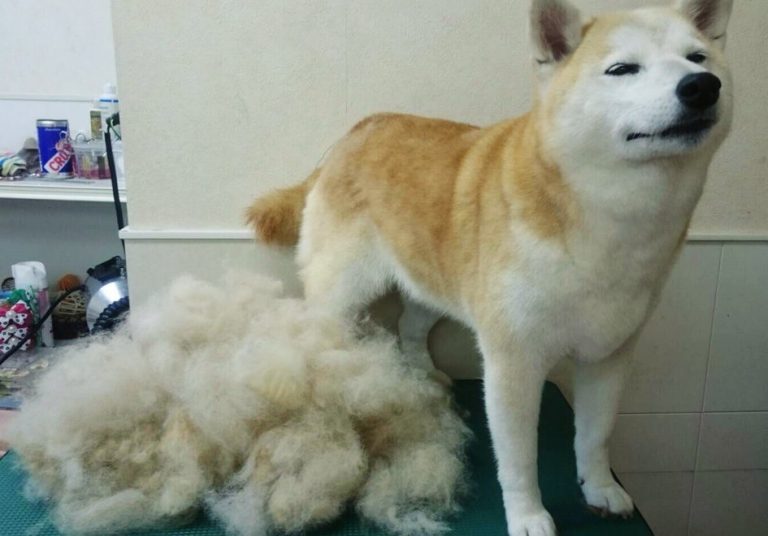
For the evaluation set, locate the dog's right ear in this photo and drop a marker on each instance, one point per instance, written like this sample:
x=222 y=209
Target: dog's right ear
x=555 y=30
x=709 y=16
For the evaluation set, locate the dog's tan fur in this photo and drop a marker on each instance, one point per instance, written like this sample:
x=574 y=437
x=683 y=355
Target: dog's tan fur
x=448 y=183
x=432 y=174
x=550 y=234
x=277 y=216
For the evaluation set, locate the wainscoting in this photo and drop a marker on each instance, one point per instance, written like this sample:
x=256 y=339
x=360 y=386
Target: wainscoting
x=690 y=443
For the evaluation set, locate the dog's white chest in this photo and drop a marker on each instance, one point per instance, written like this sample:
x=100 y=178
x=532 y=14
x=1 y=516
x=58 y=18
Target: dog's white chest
x=561 y=307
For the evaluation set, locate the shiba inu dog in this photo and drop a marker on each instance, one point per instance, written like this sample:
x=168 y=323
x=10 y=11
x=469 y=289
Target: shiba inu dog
x=549 y=234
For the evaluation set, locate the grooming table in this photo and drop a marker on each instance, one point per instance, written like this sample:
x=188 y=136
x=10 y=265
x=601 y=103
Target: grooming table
x=483 y=513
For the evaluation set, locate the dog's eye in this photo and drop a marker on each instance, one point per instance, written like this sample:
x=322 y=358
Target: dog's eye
x=696 y=57
x=620 y=69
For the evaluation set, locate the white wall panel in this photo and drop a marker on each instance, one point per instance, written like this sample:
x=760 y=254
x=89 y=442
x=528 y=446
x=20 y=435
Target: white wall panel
x=738 y=371
x=50 y=48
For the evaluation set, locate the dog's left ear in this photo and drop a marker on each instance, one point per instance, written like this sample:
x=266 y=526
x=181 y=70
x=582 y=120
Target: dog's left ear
x=555 y=30
x=709 y=16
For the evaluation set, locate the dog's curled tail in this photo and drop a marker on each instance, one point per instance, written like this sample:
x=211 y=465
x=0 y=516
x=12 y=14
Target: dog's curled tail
x=276 y=217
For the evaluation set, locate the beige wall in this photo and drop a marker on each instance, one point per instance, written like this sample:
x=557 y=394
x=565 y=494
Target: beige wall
x=55 y=58
x=222 y=100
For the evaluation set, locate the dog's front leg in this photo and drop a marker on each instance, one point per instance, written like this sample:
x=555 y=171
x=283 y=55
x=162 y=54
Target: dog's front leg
x=513 y=386
x=597 y=390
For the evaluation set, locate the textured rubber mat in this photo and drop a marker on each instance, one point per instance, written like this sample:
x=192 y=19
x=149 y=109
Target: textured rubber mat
x=483 y=513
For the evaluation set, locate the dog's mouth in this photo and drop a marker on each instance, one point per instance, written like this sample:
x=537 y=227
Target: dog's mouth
x=683 y=129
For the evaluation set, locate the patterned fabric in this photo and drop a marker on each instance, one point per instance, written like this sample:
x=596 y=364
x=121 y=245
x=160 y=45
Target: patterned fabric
x=15 y=323
x=11 y=166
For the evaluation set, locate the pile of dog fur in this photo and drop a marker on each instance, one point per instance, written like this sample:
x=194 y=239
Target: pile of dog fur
x=233 y=399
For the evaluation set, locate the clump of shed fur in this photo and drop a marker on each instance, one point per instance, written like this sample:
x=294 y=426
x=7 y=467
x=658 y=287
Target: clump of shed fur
x=266 y=412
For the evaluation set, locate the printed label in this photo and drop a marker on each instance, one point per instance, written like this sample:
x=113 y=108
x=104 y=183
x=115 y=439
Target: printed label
x=60 y=158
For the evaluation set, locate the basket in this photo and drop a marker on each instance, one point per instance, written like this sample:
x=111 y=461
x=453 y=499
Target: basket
x=69 y=317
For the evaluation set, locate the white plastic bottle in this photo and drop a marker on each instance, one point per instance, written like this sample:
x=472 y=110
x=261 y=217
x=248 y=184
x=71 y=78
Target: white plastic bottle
x=108 y=104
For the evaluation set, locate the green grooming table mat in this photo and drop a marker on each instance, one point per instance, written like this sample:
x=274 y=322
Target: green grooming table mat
x=483 y=513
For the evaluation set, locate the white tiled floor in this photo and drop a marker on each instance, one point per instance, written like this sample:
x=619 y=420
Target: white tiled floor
x=676 y=339
x=738 y=366
x=663 y=498
x=729 y=503
x=655 y=442
x=733 y=441
x=720 y=368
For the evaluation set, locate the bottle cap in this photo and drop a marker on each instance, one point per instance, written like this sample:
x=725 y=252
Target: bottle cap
x=110 y=93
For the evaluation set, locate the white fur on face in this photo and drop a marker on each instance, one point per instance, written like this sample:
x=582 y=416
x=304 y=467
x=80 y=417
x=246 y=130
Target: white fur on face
x=624 y=117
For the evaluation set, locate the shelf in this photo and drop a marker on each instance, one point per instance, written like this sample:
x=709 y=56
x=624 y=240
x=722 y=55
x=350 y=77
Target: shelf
x=60 y=190
x=129 y=233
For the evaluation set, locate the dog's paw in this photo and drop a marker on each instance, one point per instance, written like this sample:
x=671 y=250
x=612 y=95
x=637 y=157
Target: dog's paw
x=536 y=524
x=608 y=499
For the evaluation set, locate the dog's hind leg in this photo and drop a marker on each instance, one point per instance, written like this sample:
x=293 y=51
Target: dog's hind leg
x=341 y=262
x=345 y=267
x=414 y=326
x=344 y=282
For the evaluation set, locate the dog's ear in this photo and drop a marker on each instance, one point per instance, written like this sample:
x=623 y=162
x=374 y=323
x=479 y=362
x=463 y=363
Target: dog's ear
x=555 y=30
x=709 y=16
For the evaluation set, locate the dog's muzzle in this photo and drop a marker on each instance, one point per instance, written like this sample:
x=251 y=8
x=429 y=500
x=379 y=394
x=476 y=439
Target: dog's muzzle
x=699 y=91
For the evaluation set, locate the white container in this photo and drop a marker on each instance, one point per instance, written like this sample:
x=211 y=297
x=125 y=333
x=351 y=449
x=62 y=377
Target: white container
x=91 y=159
x=32 y=277
x=108 y=104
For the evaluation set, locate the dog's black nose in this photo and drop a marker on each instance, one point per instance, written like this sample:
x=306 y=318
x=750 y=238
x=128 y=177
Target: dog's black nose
x=699 y=90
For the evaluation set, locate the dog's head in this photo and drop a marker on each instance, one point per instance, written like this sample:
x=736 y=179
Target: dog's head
x=636 y=85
